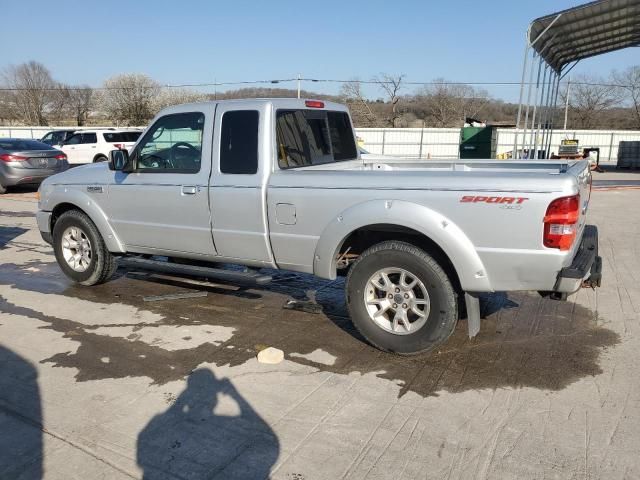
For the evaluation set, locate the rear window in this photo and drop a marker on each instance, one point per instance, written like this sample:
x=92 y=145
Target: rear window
x=313 y=137
x=19 y=144
x=121 y=137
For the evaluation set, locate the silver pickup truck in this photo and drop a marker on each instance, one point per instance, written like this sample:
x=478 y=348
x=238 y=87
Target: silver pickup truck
x=279 y=184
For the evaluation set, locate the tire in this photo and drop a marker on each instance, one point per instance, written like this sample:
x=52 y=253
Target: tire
x=100 y=158
x=101 y=265
x=3 y=189
x=371 y=308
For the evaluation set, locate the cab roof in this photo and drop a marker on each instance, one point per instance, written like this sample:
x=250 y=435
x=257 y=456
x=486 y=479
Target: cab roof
x=293 y=103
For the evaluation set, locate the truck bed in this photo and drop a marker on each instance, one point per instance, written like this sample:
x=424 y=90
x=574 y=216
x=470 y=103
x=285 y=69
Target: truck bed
x=489 y=165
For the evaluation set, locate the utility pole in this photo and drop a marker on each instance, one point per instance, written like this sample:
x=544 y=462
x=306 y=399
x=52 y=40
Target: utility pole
x=298 y=85
x=566 y=104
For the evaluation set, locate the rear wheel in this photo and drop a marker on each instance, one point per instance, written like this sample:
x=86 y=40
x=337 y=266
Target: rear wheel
x=3 y=189
x=400 y=299
x=80 y=249
x=100 y=158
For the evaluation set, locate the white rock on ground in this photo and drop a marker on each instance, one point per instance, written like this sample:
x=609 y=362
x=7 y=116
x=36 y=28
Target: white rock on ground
x=270 y=355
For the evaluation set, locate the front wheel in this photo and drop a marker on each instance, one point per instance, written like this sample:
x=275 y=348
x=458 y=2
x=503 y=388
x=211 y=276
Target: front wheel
x=80 y=249
x=400 y=299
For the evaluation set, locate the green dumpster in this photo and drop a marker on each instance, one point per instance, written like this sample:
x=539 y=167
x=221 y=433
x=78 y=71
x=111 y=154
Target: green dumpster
x=478 y=142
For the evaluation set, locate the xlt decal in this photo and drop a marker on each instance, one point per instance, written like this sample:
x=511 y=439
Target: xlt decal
x=483 y=199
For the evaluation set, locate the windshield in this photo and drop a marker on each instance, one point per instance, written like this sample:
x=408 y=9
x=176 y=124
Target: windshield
x=313 y=137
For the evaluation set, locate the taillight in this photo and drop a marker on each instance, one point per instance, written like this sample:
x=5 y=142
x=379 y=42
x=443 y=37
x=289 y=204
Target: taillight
x=7 y=157
x=560 y=222
x=119 y=146
x=314 y=103
x=60 y=156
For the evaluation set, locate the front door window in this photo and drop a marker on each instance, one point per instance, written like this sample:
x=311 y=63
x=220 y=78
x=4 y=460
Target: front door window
x=172 y=145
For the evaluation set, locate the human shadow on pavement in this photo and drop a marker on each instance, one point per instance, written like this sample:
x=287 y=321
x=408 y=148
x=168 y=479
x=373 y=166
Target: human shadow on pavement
x=20 y=418
x=190 y=440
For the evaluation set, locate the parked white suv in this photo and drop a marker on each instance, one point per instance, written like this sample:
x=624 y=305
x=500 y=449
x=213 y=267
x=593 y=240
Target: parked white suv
x=87 y=146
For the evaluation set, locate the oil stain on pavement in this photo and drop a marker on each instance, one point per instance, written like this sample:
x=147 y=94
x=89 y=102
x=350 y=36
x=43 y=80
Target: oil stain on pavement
x=525 y=340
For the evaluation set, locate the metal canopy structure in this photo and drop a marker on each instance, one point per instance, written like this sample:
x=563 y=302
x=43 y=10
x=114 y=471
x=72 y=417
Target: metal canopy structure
x=554 y=45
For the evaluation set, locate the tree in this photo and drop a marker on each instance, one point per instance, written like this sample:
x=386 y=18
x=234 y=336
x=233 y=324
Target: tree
x=129 y=98
x=448 y=104
x=79 y=102
x=629 y=84
x=31 y=94
x=7 y=112
x=176 y=96
x=391 y=86
x=359 y=106
x=588 y=98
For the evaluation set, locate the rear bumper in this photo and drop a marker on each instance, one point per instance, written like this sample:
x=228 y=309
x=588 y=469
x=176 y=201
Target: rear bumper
x=11 y=175
x=586 y=267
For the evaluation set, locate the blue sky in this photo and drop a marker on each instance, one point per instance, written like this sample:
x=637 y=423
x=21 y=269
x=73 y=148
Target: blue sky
x=85 y=42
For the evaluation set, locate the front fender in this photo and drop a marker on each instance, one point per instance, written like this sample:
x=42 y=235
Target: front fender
x=60 y=194
x=447 y=235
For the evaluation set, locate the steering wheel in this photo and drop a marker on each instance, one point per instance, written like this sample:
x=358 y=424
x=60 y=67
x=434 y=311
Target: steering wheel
x=147 y=162
x=181 y=145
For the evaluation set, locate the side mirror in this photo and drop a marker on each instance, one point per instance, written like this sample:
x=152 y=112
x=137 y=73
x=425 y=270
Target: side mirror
x=118 y=159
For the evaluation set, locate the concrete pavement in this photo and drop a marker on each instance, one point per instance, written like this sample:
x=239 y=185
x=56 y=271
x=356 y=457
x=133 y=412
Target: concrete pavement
x=97 y=383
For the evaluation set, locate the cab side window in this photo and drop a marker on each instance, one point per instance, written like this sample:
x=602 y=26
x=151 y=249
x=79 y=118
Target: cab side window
x=239 y=142
x=171 y=145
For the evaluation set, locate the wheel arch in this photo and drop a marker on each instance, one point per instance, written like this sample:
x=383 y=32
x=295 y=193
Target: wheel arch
x=367 y=236
x=366 y=224
x=97 y=216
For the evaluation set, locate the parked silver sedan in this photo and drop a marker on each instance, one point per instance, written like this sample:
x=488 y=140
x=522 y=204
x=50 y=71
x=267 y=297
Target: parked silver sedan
x=28 y=162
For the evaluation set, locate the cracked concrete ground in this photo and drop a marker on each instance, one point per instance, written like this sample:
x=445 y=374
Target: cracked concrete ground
x=98 y=383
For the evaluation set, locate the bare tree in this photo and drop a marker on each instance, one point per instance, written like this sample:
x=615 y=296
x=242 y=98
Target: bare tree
x=58 y=110
x=7 y=112
x=359 y=106
x=176 y=96
x=31 y=94
x=588 y=98
x=629 y=84
x=391 y=86
x=80 y=102
x=129 y=98
x=449 y=104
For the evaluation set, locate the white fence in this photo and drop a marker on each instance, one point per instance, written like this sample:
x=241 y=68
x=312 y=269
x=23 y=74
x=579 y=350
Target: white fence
x=33 y=132
x=606 y=140
x=432 y=142
x=444 y=142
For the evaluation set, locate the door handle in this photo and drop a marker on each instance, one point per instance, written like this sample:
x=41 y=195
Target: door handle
x=189 y=190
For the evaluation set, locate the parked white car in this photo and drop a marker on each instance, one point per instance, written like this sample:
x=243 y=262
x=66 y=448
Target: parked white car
x=89 y=146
